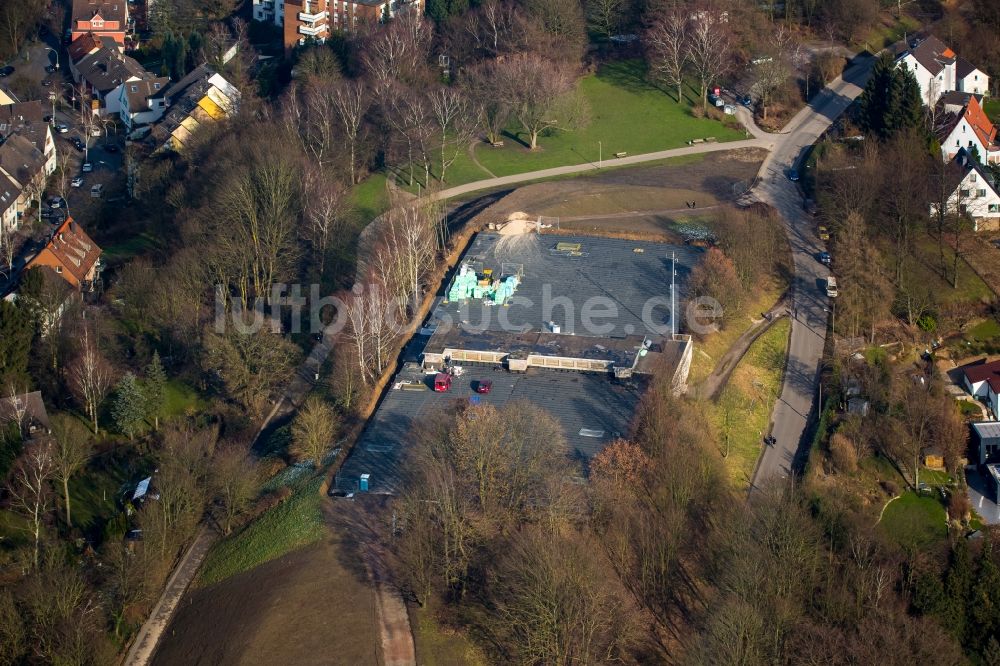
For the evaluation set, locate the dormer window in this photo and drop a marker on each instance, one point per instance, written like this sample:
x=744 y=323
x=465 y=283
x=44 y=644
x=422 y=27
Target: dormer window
x=97 y=23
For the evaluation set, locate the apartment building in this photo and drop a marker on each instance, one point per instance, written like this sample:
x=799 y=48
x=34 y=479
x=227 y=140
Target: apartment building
x=302 y=20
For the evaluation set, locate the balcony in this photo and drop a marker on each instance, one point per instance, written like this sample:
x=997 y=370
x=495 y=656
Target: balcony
x=311 y=18
x=312 y=30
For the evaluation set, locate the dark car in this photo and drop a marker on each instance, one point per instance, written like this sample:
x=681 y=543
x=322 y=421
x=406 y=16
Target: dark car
x=746 y=101
x=809 y=206
x=77 y=143
x=6 y=71
x=824 y=258
x=484 y=386
x=50 y=69
x=793 y=175
x=46 y=82
x=111 y=148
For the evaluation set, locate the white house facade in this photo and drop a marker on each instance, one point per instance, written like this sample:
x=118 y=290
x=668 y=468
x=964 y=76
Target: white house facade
x=939 y=70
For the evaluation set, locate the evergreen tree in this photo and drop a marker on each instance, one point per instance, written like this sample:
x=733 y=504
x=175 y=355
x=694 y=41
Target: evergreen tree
x=129 y=408
x=442 y=10
x=958 y=588
x=984 y=604
x=891 y=101
x=153 y=389
x=16 y=333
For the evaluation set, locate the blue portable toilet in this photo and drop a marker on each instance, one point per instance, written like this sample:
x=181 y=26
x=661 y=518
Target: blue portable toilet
x=474 y=400
x=364 y=482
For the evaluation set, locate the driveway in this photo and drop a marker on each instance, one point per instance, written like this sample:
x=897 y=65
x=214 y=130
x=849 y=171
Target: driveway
x=810 y=304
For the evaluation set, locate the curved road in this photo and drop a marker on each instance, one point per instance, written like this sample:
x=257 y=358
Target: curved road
x=809 y=301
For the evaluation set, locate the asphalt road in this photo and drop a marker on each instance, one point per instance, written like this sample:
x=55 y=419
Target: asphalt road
x=810 y=305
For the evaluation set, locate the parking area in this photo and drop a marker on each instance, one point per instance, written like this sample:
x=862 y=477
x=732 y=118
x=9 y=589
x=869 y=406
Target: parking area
x=982 y=496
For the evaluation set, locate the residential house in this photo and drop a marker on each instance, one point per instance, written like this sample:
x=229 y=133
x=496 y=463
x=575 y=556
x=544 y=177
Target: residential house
x=962 y=123
x=938 y=70
x=982 y=380
x=10 y=195
x=27 y=411
x=6 y=96
x=22 y=177
x=143 y=102
x=202 y=97
x=303 y=20
x=72 y=255
x=977 y=195
x=103 y=18
x=27 y=119
x=988 y=437
x=103 y=74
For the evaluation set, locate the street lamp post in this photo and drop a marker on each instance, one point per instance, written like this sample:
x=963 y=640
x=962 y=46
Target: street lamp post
x=600 y=155
x=49 y=48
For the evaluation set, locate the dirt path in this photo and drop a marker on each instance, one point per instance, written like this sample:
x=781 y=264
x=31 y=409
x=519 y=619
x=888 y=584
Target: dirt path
x=711 y=388
x=475 y=160
x=636 y=213
x=360 y=520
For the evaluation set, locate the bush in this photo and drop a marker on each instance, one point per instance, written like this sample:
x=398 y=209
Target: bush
x=927 y=323
x=844 y=454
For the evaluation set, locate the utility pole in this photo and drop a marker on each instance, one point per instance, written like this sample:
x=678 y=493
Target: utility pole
x=673 y=293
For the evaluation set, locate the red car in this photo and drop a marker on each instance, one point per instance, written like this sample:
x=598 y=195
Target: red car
x=484 y=386
x=442 y=382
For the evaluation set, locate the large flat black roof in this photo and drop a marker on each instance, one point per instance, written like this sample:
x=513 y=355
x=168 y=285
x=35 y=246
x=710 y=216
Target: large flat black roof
x=591 y=408
x=557 y=284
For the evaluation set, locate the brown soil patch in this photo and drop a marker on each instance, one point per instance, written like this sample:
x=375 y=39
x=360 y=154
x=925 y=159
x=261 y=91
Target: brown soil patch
x=312 y=606
x=707 y=182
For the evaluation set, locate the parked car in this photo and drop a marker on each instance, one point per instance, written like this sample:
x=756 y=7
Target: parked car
x=747 y=101
x=56 y=202
x=62 y=128
x=823 y=233
x=6 y=71
x=96 y=191
x=47 y=214
x=50 y=69
x=442 y=382
x=793 y=175
x=809 y=206
x=824 y=258
x=831 y=287
x=484 y=386
x=77 y=181
x=87 y=167
x=46 y=82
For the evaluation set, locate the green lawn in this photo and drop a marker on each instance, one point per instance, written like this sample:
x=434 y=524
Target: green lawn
x=369 y=198
x=626 y=114
x=293 y=524
x=992 y=107
x=743 y=413
x=95 y=493
x=131 y=247
x=179 y=399
x=915 y=520
x=985 y=331
x=924 y=264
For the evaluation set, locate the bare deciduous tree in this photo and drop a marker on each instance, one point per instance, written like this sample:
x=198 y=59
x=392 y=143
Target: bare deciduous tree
x=708 y=51
x=666 y=43
x=351 y=102
x=314 y=430
x=235 y=479
x=539 y=92
x=455 y=122
x=29 y=489
x=482 y=81
x=71 y=451
x=326 y=205
x=90 y=377
x=605 y=16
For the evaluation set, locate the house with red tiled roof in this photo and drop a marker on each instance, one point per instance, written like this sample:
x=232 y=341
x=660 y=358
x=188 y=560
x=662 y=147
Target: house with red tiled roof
x=982 y=380
x=71 y=254
x=938 y=70
x=103 y=18
x=965 y=127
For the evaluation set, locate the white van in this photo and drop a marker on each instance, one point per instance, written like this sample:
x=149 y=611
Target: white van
x=96 y=191
x=831 y=287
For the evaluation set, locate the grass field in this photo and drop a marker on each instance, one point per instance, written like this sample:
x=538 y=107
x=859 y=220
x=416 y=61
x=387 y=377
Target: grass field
x=130 y=247
x=915 y=520
x=436 y=645
x=179 y=399
x=985 y=331
x=293 y=524
x=743 y=412
x=924 y=263
x=992 y=107
x=369 y=198
x=627 y=114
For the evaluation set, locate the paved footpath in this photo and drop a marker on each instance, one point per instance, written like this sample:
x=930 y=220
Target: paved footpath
x=142 y=649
